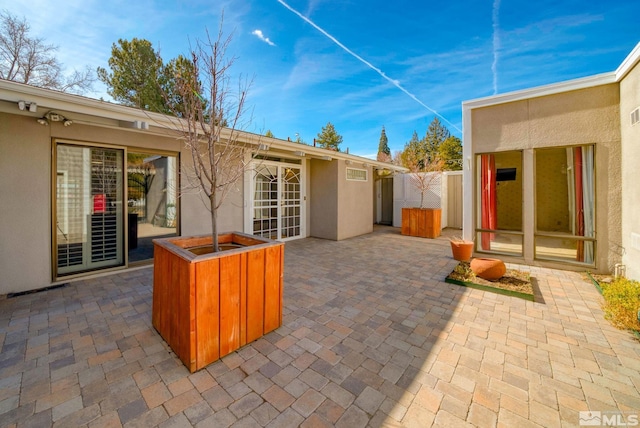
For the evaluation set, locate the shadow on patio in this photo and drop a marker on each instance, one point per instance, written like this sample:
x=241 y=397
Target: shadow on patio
x=372 y=336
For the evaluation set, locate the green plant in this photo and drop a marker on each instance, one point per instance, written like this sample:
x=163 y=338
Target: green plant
x=464 y=269
x=622 y=303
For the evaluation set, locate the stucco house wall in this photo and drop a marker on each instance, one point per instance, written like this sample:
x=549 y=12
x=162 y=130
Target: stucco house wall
x=575 y=117
x=629 y=101
x=340 y=208
x=25 y=162
x=323 y=202
x=26 y=179
x=25 y=207
x=355 y=202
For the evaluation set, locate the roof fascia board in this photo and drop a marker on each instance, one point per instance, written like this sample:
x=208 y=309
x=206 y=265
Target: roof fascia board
x=48 y=99
x=629 y=62
x=541 y=91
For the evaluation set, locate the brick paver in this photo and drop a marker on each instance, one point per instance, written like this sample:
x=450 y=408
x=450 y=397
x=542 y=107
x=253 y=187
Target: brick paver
x=372 y=336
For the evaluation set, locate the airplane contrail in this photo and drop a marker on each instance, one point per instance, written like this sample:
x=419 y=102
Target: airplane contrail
x=367 y=63
x=496 y=44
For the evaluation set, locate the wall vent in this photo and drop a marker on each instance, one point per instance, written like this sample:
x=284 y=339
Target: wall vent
x=635 y=116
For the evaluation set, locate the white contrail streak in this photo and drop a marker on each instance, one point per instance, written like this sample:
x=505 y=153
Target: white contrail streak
x=496 y=44
x=367 y=63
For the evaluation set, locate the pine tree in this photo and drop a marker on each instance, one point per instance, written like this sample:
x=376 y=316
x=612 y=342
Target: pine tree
x=414 y=154
x=269 y=134
x=135 y=76
x=328 y=138
x=436 y=135
x=384 y=153
x=450 y=152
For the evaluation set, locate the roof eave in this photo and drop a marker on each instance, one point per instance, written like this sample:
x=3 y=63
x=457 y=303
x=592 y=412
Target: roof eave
x=48 y=99
x=541 y=91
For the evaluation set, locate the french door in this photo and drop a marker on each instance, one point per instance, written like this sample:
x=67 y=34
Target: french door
x=89 y=210
x=276 y=202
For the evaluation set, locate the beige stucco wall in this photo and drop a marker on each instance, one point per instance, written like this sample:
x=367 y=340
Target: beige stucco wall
x=25 y=192
x=323 y=201
x=340 y=208
x=586 y=116
x=355 y=203
x=630 y=100
x=25 y=213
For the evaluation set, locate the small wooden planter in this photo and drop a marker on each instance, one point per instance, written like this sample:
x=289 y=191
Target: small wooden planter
x=422 y=222
x=207 y=306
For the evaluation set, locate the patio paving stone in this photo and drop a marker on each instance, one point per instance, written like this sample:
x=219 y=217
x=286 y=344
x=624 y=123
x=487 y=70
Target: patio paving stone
x=372 y=336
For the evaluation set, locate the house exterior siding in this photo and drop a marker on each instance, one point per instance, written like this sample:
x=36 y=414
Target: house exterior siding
x=630 y=156
x=591 y=111
x=334 y=208
x=579 y=117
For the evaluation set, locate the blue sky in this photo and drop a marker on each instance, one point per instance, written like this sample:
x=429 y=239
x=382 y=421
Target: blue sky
x=358 y=64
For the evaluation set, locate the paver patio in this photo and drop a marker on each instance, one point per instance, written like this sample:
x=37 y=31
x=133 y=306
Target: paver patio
x=372 y=336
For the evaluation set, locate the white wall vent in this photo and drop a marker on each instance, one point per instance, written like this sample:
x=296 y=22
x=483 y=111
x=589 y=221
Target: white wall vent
x=635 y=116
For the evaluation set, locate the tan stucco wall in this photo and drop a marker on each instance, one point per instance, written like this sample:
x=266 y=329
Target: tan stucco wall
x=355 y=203
x=323 y=201
x=586 y=116
x=25 y=189
x=340 y=208
x=25 y=207
x=630 y=100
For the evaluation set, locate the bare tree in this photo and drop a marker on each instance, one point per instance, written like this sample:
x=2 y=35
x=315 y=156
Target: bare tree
x=423 y=174
x=206 y=102
x=27 y=59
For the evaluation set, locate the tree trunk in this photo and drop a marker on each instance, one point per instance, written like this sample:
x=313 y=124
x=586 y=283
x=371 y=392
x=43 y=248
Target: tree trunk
x=214 y=224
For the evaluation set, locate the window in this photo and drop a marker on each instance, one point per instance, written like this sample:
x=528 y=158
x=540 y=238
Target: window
x=499 y=203
x=565 y=204
x=356 y=174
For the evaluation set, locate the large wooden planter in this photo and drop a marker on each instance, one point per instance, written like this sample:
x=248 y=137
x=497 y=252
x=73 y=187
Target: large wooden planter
x=422 y=222
x=207 y=306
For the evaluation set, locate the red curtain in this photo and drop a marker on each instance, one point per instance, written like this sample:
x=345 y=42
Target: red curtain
x=577 y=175
x=489 y=201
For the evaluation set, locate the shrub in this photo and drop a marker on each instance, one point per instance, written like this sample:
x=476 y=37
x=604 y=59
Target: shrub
x=622 y=303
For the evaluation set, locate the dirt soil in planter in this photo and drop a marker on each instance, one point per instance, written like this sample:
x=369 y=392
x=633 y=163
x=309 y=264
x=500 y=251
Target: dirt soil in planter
x=513 y=280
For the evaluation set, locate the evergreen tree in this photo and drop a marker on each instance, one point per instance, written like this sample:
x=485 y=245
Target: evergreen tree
x=269 y=134
x=436 y=135
x=384 y=153
x=136 y=76
x=328 y=138
x=450 y=152
x=414 y=154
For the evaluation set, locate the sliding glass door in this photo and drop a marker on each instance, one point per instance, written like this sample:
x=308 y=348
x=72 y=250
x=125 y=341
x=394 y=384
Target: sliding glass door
x=499 y=208
x=565 y=204
x=88 y=208
x=152 y=201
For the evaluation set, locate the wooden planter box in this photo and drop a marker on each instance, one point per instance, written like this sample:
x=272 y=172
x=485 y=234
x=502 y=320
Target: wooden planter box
x=422 y=222
x=207 y=306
